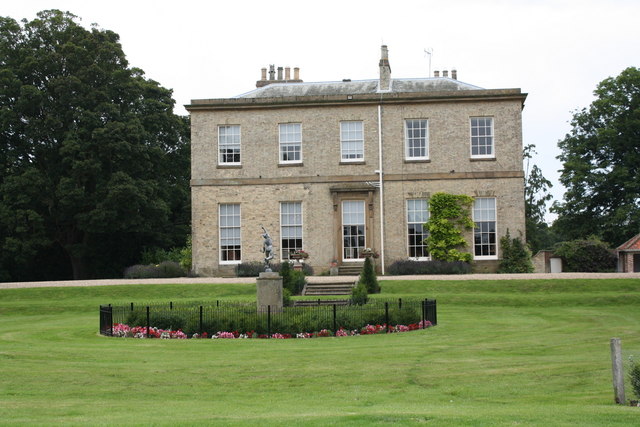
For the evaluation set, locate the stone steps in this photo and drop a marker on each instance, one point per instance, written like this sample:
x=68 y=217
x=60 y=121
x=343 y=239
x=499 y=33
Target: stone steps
x=310 y=302
x=336 y=288
x=350 y=269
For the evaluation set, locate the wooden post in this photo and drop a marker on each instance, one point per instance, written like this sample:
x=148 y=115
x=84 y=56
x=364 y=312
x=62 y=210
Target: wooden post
x=618 y=375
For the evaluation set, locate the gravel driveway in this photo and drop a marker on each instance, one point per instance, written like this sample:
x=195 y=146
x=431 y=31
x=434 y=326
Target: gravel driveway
x=315 y=279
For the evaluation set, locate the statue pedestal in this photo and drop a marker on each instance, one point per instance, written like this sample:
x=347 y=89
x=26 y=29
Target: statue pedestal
x=269 y=292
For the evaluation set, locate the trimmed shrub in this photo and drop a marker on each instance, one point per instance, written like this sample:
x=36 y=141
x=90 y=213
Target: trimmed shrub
x=368 y=277
x=591 y=255
x=359 y=294
x=254 y=268
x=516 y=256
x=409 y=267
x=249 y=269
x=164 y=269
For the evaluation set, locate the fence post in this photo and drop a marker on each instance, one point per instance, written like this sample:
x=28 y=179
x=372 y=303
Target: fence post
x=335 y=327
x=131 y=306
x=268 y=321
x=170 y=305
x=617 y=371
x=148 y=321
x=200 y=320
x=399 y=303
x=424 y=311
x=386 y=316
x=435 y=313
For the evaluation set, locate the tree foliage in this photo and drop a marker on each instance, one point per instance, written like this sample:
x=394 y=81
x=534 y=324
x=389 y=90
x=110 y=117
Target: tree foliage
x=586 y=255
x=516 y=256
x=536 y=196
x=449 y=216
x=94 y=165
x=601 y=164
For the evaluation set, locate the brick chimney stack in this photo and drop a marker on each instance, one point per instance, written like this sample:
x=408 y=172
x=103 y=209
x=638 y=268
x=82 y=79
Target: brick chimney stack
x=272 y=76
x=385 y=70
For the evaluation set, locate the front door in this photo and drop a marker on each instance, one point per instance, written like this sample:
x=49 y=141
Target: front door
x=353 y=230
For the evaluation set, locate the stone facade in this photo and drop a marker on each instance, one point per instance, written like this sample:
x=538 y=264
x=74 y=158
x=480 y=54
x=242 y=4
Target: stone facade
x=321 y=181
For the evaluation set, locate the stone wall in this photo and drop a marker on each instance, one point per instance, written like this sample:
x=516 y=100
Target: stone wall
x=261 y=183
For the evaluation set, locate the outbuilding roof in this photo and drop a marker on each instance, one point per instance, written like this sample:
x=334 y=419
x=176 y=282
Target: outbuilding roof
x=632 y=244
x=358 y=87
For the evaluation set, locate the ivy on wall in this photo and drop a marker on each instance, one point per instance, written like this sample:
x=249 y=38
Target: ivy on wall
x=449 y=216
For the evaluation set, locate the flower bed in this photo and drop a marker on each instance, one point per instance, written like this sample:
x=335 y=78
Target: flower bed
x=122 y=330
x=226 y=319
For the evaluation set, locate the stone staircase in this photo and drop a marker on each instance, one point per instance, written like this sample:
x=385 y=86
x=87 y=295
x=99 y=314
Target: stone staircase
x=350 y=269
x=334 y=288
x=311 y=302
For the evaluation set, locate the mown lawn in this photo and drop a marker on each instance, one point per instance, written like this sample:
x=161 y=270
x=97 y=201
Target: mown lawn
x=504 y=353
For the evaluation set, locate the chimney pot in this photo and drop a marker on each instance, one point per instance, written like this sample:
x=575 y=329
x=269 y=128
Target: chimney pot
x=296 y=73
x=287 y=73
x=272 y=72
x=385 y=69
x=436 y=73
x=445 y=73
x=264 y=74
x=454 y=74
x=279 y=73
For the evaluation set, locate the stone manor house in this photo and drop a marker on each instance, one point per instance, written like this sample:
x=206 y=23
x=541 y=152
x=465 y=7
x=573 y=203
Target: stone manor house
x=336 y=167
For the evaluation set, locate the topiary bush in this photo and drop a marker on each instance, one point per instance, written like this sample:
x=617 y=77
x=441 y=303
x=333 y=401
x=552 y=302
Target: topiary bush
x=409 y=267
x=368 y=277
x=359 y=294
x=516 y=256
x=164 y=269
x=589 y=255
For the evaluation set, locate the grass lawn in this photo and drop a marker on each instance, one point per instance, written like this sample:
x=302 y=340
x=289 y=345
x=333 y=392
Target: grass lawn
x=504 y=353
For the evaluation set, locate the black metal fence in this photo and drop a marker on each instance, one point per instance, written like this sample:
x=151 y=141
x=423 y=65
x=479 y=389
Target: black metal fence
x=243 y=317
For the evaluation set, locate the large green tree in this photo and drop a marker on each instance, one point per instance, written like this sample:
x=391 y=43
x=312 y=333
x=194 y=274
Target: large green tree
x=94 y=164
x=601 y=164
x=536 y=197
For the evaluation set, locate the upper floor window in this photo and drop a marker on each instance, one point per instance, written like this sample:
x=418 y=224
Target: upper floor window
x=484 y=232
x=351 y=142
x=482 y=137
x=417 y=216
x=230 y=243
x=416 y=139
x=290 y=228
x=229 y=145
x=290 y=143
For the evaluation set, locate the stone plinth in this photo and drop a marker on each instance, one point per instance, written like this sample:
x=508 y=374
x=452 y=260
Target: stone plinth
x=269 y=291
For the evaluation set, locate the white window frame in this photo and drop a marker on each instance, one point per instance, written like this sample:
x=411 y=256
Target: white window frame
x=221 y=227
x=290 y=135
x=410 y=138
x=425 y=232
x=223 y=142
x=475 y=138
x=360 y=203
x=285 y=223
x=347 y=139
x=484 y=215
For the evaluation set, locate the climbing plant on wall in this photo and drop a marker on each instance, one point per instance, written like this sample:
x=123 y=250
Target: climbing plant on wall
x=449 y=217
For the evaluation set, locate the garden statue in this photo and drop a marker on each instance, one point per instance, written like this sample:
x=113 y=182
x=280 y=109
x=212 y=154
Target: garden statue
x=267 y=249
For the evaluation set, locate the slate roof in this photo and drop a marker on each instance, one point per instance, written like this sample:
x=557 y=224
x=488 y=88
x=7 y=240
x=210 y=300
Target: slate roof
x=632 y=244
x=357 y=87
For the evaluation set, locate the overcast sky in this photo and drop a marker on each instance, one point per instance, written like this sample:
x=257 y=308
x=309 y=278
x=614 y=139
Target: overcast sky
x=556 y=51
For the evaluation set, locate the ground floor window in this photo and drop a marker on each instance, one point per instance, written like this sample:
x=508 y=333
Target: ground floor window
x=230 y=243
x=290 y=228
x=353 y=229
x=484 y=233
x=417 y=216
